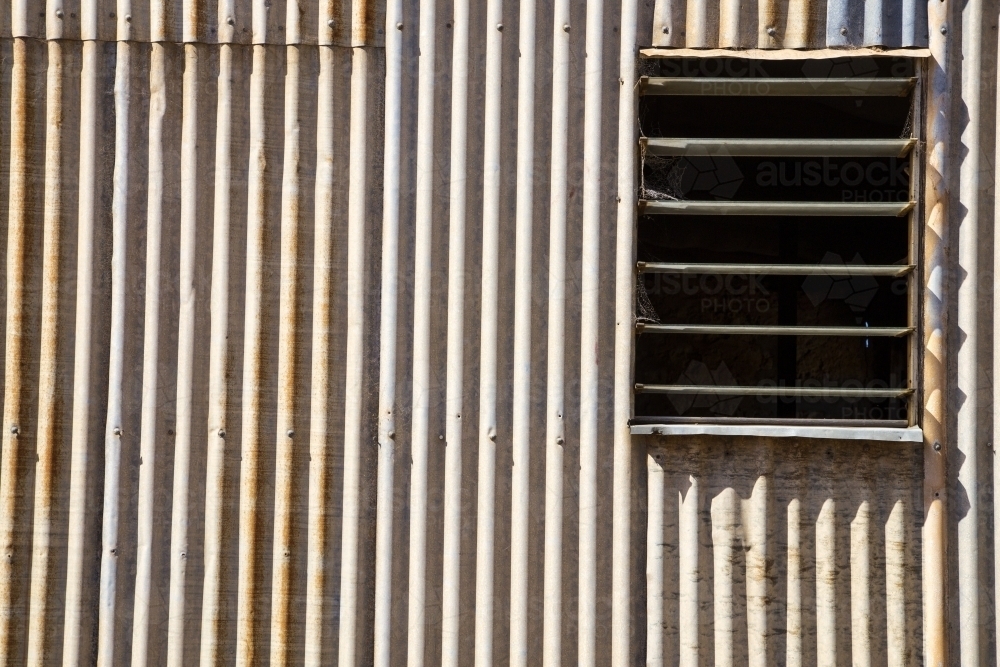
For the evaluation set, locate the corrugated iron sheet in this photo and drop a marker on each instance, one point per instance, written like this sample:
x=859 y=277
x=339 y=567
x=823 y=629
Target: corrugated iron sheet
x=315 y=323
x=789 y=24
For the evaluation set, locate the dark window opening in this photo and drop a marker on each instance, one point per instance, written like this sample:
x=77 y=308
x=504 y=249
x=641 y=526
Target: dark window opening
x=777 y=240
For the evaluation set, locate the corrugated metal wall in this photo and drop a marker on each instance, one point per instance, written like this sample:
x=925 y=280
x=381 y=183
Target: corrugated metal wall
x=312 y=316
x=794 y=24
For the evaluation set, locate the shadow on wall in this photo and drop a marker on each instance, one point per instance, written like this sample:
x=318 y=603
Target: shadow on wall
x=779 y=551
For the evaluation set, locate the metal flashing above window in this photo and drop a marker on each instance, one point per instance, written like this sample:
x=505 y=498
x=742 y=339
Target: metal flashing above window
x=912 y=434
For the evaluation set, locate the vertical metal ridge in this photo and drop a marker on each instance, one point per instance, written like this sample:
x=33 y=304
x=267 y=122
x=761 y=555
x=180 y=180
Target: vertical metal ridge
x=861 y=584
x=18 y=251
x=696 y=25
x=353 y=417
x=19 y=11
x=729 y=23
x=123 y=29
x=191 y=20
x=248 y=651
x=486 y=501
x=218 y=397
x=320 y=437
x=82 y=366
x=158 y=18
x=826 y=584
x=150 y=360
x=935 y=315
x=689 y=546
x=180 y=512
x=655 y=588
x=799 y=28
x=42 y=559
x=422 y=271
x=726 y=543
x=874 y=28
x=622 y=489
x=456 y=344
x=794 y=629
x=590 y=308
x=385 y=505
x=282 y=571
x=839 y=26
x=555 y=408
x=520 y=519
x=995 y=393
x=897 y=640
x=968 y=303
x=768 y=21
x=757 y=527
x=113 y=428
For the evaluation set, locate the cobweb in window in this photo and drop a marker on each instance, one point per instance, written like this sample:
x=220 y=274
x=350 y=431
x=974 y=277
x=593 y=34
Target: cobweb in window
x=644 y=307
x=908 y=126
x=662 y=177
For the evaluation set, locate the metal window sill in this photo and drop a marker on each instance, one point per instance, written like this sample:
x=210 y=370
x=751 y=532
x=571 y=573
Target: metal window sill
x=886 y=434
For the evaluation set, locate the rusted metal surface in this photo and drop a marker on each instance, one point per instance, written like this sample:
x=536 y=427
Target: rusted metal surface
x=16 y=431
x=212 y=453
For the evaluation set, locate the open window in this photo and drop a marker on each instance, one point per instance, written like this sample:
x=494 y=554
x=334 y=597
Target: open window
x=778 y=241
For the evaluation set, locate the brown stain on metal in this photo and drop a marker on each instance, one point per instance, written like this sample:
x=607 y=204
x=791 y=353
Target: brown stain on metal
x=11 y=552
x=42 y=563
x=362 y=19
x=192 y=26
x=768 y=29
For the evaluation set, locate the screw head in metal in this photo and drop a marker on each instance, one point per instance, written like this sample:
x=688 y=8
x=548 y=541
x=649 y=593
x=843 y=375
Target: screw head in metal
x=15 y=430
x=771 y=31
x=222 y=433
x=399 y=26
x=559 y=440
x=448 y=25
x=117 y=430
x=665 y=30
x=944 y=30
x=59 y=13
x=330 y=23
x=843 y=31
x=500 y=27
x=128 y=18
x=440 y=437
x=565 y=27
x=290 y=433
x=937 y=446
x=230 y=21
x=391 y=434
x=493 y=437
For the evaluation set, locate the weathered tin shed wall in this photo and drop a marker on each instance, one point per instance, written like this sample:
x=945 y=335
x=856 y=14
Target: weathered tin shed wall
x=255 y=265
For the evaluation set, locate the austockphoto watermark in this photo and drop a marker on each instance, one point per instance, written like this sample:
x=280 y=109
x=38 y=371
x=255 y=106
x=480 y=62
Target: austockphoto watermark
x=873 y=182
x=719 y=293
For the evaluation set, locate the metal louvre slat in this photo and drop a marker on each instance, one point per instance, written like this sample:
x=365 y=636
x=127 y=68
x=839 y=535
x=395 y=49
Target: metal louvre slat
x=805 y=208
x=769 y=87
x=716 y=390
x=892 y=270
x=779 y=147
x=790 y=330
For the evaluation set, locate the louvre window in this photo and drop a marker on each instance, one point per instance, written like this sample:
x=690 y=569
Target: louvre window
x=777 y=241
